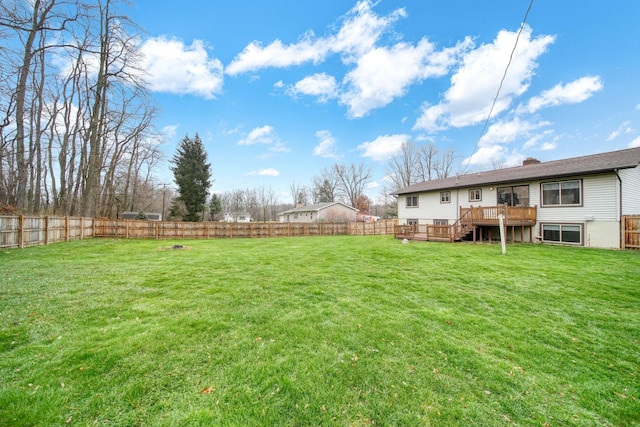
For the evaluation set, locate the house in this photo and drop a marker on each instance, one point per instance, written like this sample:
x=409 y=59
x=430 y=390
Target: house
x=151 y=216
x=237 y=217
x=326 y=212
x=576 y=201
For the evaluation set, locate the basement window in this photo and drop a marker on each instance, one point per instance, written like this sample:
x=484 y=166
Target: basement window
x=562 y=233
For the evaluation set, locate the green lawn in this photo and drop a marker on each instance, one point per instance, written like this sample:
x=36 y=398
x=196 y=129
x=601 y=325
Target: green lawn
x=321 y=331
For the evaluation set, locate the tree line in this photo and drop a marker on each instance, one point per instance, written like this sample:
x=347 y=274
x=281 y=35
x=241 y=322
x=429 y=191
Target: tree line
x=339 y=183
x=77 y=134
x=76 y=125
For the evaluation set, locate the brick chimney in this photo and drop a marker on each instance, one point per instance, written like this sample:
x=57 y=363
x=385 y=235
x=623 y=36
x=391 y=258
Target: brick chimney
x=530 y=161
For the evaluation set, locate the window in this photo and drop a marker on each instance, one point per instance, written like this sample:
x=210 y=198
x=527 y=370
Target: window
x=514 y=196
x=440 y=222
x=562 y=233
x=412 y=201
x=475 y=195
x=412 y=221
x=562 y=193
x=445 y=197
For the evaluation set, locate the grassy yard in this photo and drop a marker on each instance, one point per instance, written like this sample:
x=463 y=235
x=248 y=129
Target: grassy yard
x=323 y=331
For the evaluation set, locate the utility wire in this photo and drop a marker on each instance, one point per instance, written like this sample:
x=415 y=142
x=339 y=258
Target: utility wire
x=495 y=100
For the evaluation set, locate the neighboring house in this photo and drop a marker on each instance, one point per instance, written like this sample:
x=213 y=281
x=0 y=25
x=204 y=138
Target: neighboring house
x=326 y=212
x=151 y=216
x=237 y=217
x=577 y=201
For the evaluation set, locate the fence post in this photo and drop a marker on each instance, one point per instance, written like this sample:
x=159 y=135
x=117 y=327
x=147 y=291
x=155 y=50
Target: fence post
x=67 y=236
x=46 y=230
x=20 y=231
x=623 y=231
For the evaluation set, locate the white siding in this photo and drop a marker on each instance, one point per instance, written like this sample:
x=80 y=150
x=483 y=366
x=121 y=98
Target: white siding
x=429 y=208
x=599 y=214
x=630 y=191
x=599 y=202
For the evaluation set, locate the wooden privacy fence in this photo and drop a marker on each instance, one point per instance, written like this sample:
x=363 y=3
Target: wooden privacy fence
x=22 y=231
x=211 y=230
x=630 y=229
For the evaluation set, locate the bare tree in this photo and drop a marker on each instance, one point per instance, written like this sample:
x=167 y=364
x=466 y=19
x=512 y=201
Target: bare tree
x=405 y=168
x=72 y=136
x=352 y=181
x=299 y=193
x=325 y=187
x=31 y=22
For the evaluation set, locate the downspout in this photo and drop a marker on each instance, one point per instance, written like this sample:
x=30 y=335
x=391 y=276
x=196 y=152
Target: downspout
x=619 y=216
x=619 y=194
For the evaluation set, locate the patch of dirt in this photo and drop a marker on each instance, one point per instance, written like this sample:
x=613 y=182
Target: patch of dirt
x=175 y=248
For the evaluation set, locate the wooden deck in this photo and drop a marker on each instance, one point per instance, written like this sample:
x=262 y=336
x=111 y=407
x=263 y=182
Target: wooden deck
x=469 y=221
x=490 y=215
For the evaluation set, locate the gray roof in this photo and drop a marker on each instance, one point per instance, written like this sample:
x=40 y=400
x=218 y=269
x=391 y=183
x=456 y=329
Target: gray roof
x=315 y=208
x=585 y=165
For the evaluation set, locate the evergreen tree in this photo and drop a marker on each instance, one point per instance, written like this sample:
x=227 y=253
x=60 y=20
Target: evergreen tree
x=215 y=206
x=191 y=174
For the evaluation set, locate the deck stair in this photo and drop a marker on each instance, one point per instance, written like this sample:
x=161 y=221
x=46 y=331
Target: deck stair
x=470 y=219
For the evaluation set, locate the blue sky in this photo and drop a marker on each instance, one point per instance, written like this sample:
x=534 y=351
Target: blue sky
x=280 y=89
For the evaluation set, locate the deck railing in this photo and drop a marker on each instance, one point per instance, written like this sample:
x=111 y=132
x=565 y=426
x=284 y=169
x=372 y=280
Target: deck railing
x=488 y=215
x=469 y=218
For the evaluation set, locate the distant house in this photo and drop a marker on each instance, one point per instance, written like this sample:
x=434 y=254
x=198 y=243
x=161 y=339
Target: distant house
x=151 y=216
x=576 y=201
x=237 y=217
x=325 y=212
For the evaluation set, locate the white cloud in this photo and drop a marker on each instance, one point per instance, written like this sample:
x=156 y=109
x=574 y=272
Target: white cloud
x=176 y=68
x=383 y=147
x=535 y=141
x=360 y=30
x=264 y=172
x=624 y=128
x=321 y=85
x=377 y=75
x=572 y=93
x=260 y=135
x=488 y=155
x=635 y=143
x=474 y=86
x=383 y=73
x=327 y=145
x=268 y=172
x=265 y=135
x=255 y=56
x=504 y=132
x=170 y=131
x=492 y=148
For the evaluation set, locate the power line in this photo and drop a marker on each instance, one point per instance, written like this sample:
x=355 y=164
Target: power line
x=504 y=76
